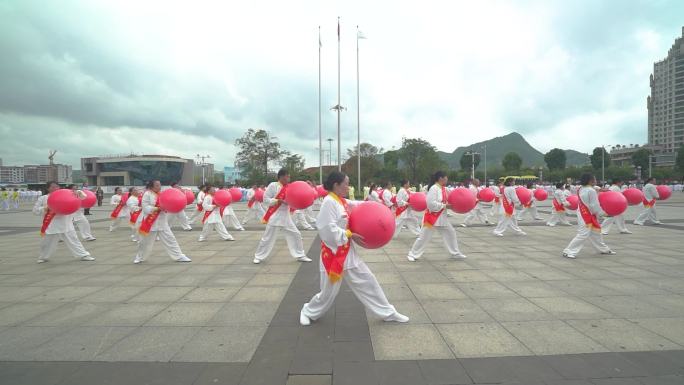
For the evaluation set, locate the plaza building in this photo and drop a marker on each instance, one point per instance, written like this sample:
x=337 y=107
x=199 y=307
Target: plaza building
x=136 y=170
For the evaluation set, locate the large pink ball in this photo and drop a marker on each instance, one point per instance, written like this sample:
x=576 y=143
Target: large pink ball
x=540 y=194
x=189 y=196
x=235 y=194
x=90 y=199
x=299 y=195
x=223 y=198
x=485 y=195
x=374 y=222
x=634 y=196
x=259 y=195
x=322 y=192
x=63 y=201
x=612 y=202
x=462 y=200
x=573 y=201
x=172 y=200
x=418 y=201
x=524 y=195
x=664 y=192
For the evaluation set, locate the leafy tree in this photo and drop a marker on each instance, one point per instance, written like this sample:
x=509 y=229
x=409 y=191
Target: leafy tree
x=367 y=150
x=641 y=158
x=555 y=159
x=511 y=161
x=294 y=163
x=679 y=163
x=420 y=159
x=466 y=161
x=599 y=157
x=257 y=149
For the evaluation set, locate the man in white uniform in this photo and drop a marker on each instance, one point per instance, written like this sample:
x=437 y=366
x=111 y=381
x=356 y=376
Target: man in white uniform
x=650 y=197
x=404 y=213
x=181 y=216
x=80 y=220
x=619 y=220
x=509 y=201
x=212 y=218
x=478 y=212
x=278 y=219
x=119 y=210
x=254 y=208
x=155 y=224
x=58 y=227
x=558 y=206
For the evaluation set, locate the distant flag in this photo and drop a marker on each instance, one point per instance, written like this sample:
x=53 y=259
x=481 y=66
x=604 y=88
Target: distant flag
x=320 y=44
x=360 y=35
x=338 y=29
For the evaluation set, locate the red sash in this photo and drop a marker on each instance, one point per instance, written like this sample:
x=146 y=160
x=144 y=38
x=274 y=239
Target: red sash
x=590 y=220
x=250 y=203
x=334 y=262
x=402 y=208
x=272 y=209
x=430 y=218
x=135 y=215
x=649 y=204
x=149 y=220
x=117 y=209
x=199 y=207
x=558 y=206
x=47 y=219
x=508 y=206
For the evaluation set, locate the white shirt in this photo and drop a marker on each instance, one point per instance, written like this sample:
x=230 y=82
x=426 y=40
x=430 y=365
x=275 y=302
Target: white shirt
x=387 y=198
x=650 y=192
x=511 y=196
x=402 y=197
x=332 y=227
x=114 y=201
x=282 y=216
x=200 y=197
x=208 y=204
x=434 y=204
x=559 y=196
x=374 y=197
x=149 y=200
x=59 y=224
x=590 y=199
x=615 y=188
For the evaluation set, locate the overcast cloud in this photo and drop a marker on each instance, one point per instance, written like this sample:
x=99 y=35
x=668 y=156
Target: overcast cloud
x=89 y=78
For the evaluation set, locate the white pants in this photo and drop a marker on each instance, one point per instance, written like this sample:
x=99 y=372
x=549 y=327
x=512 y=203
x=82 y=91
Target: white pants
x=48 y=245
x=583 y=232
x=479 y=213
x=649 y=214
x=84 y=228
x=5 y=205
x=135 y=234
x=557 y=216
x=195 y=213
x=619 y=220
x=496 y=209
x=309 y=214
x=300 y=220
x=364 y=285
x=115 y=223
x=183 y=220
x=411 y=222
x=532 y=210
x=254 y=212
x=220 y=229
x=167 y=239
x=505 y=222
x=16 y=204
x=232 y=220
x=292 y=236
x=448 y=236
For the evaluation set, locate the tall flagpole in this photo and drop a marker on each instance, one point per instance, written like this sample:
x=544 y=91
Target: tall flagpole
x=339 y=103
x=320 y=137
x=358 y=116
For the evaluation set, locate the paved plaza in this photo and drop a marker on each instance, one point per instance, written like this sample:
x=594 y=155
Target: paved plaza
x=513 y=312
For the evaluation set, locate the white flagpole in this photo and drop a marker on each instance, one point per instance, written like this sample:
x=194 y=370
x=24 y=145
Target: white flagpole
x=358 y=116
x=320 y=137
x=339 y=103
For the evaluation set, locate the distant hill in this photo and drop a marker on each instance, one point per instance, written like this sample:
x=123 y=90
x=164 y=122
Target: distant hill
x=513 y=142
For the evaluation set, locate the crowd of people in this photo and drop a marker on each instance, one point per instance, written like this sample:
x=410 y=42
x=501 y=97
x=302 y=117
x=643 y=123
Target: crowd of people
x=140 y=211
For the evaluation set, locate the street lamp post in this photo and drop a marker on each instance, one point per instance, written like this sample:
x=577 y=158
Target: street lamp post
x=330 y=140
x=485 y=165
x=472 y=163
x=203 y=164
x=541 y=174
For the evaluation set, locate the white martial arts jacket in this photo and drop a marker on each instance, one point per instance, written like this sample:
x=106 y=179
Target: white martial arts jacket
x=114 y=201
x=208 y=204
x=387 y=198
x=332 y=224
x=59 y=224
x=559 y=196
x=511 y=196
x=589 y=197
x=434 y=204
x=282 y=216
x=374 y=197
x=650 y=192
x=149 y=200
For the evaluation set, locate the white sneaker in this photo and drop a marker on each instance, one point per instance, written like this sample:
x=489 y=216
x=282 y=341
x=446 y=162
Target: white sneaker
x=87 y=258
x=229 y=239
x=609 y=252
x=550 y=225
x=537 y=219
x=410 y=258
x=137 y=260
x=256 y=261
x=41 y=260
x=566 y=255
x=638 y=223
x=397 y=317
x=459 y=256
x=657 y=223
x=522 y=233
x=304 y=259
x=200 y=240
x=304 y=320
x=241 y=229
x=184 y=259
x=604 y=233
x=463 y=225
x=90 y=239
x=625 y=232
x=498 y=234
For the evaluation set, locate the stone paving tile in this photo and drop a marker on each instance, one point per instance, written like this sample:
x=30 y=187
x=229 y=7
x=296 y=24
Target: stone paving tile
x=20 y=312
x=481 y=340
x=210 y=294
x=408 y=342
x=71 y=314
x=248 y=313
x=552 y=337
x=127 y=314
x=433 y=291
x=670 y=328
x=513 y=309
x=185 y=314
x=157 y=343
x=18 y=343
x=456 y=311
x=612 y=333
x=80 y=344
x=570 y=308
x=162 y=294
x=235 y=343
x=486 y=290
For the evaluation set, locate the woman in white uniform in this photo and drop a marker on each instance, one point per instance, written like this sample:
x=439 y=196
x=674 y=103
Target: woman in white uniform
x=619 y=220
x=212 y=219
x=404 y=213
x=509 y=200
x=340 y=260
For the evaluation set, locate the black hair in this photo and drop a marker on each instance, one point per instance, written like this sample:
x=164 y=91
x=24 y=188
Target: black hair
x=530 y=185
x=650 y=179
x=117 y=188
x=69 y=186
x=403 y=181
x=559 y=185
x=617 y=180
x=283 y=172
x=208 y=187
x=509 y=181
x=130 y=191
x=435 y=177
x=586 y=178
x=333 y=178
x=150 y=184
x=174 y=184
x=50 y=183
x=373 y=187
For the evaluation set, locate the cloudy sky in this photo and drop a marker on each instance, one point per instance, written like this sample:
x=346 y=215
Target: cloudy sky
x=90 y=78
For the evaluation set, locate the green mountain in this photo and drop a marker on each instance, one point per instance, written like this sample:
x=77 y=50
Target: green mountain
x=513 y=142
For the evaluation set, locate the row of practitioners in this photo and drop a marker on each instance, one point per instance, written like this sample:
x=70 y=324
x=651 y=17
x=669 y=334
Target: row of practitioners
x=10 y=198
x=339 y=258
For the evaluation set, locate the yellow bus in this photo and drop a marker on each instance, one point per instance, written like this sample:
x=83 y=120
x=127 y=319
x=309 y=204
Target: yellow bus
x=521 y=180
